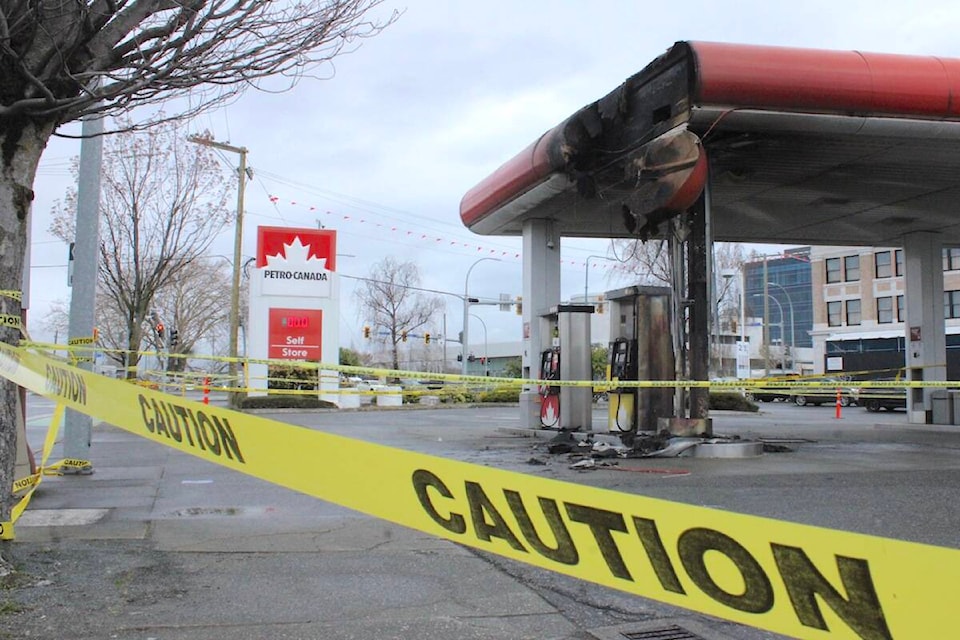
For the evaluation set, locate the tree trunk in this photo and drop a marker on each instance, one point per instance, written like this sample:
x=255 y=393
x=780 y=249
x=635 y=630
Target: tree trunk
x=395 y=345
x=21 y=143
x=133 y=352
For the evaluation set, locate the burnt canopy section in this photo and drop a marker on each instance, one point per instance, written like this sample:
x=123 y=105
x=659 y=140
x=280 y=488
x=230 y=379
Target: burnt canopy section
x=804 y=146
x=602 y=146
x=624 y=152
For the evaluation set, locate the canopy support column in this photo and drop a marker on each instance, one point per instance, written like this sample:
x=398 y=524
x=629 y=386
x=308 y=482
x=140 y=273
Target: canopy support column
x=926 y=342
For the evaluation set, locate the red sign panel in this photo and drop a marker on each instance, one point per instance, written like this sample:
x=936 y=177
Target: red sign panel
x=295 y=334
x=320 y=243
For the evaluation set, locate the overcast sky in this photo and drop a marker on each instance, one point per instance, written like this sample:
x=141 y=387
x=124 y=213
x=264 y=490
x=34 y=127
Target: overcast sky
x=424 y=111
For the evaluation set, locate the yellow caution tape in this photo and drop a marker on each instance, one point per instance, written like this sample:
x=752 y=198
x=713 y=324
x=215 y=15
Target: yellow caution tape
x=73 y=342
x=30 y=483
x=67 y=465
x=25 y=483
x=9 y=320
x=778 y=382
x=16 y=295
x=793 y=579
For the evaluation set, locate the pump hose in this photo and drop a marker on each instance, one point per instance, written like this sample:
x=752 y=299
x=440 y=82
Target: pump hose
x=616 y=413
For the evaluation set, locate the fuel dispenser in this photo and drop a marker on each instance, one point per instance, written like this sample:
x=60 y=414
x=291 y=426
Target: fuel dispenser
x=641 y=349
x=622 y=366
x=565 y=355
x=550 y=394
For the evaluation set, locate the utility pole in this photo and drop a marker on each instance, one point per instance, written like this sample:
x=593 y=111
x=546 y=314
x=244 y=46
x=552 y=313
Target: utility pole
x=237 y=249
x=77 y=426
x=766 y=321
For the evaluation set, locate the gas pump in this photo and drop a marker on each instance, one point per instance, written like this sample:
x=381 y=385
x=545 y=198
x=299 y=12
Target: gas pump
x=565 y=355
x=622 y=366
x=550 y=394
x=641 y=349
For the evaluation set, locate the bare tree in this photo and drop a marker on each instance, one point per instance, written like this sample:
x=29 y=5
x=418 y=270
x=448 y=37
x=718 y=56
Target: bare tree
x=57 y=321
x=729 y=258
x=163 y=201
x=60 y=61
x=390 y=301
x=648 y=261
x=197 y=307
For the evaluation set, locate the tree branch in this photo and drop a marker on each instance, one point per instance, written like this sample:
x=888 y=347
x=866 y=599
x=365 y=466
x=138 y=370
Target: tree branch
x=74 y=60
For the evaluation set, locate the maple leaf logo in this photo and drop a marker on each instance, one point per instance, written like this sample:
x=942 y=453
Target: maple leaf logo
x=296 y=253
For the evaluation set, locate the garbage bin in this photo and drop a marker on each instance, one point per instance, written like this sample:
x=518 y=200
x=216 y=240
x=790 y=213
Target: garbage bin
x=941 y=407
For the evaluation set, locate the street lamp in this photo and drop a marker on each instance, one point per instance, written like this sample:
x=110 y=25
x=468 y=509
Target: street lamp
x=486 y=354
x=586 y=276
x=783 y=354
x=793 y=327
x=465 y=341
x=727 y=275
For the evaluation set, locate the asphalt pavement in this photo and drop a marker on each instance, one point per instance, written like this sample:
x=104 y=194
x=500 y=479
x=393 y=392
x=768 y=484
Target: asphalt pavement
x=158 y=544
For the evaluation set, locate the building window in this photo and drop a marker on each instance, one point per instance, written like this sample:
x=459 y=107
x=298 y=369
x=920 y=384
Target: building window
x=833 y=269
x=884 y=265
x=898 y=261
x=901 y=316
x=853 y=312
x=951 y=259
x=851 y=265
x=951 y=304
x=885 y=310
x=834 y=319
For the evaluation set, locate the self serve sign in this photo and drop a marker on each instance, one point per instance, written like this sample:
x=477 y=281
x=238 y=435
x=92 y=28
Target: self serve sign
x=295 y=334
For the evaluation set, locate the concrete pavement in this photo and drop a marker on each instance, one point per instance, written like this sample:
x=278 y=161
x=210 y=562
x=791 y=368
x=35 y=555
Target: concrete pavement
x=161 y=545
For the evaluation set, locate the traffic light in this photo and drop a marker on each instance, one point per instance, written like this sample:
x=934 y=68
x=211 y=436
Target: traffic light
x=403 y=335
x=366 y=332
x=174 y=337
x=159 y=328
x=426 y=338
x=519 y=306
x=600 y=302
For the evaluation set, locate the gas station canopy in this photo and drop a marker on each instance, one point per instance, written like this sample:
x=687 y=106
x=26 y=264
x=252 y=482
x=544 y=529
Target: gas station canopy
x=796 y=146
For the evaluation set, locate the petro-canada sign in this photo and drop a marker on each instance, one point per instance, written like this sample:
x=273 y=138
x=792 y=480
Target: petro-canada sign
x=296 y=262
x=294 y=311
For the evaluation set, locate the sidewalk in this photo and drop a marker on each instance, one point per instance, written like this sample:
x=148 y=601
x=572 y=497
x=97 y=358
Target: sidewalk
x=161 y=545
x=144 y=549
